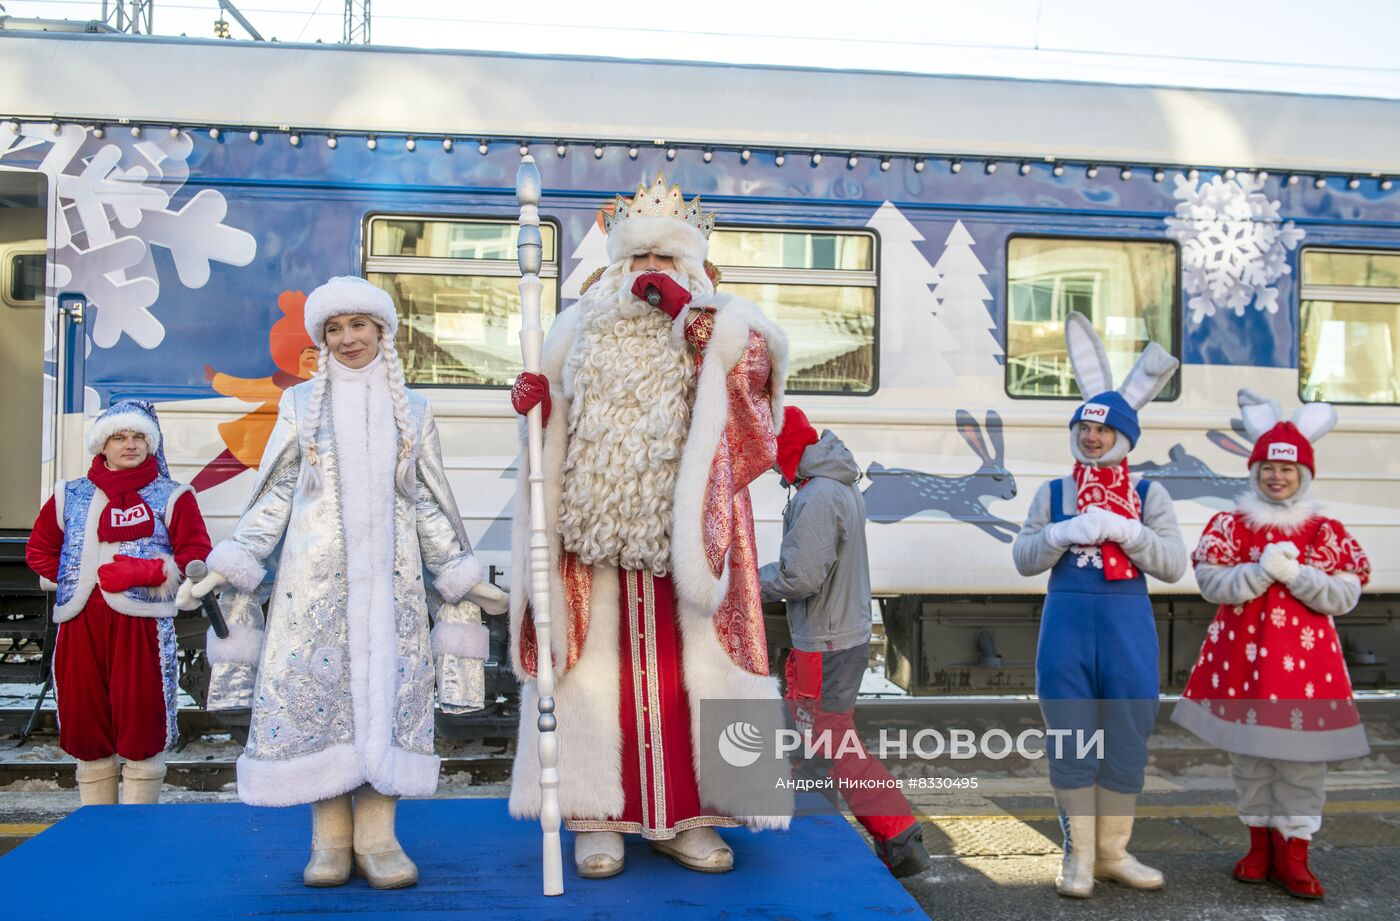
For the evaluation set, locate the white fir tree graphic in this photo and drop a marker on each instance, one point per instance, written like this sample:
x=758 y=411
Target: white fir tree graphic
x=589 y=256
x=916 y=345
x=962 y=298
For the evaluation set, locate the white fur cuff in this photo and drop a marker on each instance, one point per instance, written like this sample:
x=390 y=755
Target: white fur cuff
x=167 y=589
x=242 y=646
x=47 y=585
x=469 y=641
x=237 y=565
x=666 y=236
x=457 y=578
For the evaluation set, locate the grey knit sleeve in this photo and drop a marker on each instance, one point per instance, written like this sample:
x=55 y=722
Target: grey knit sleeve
x=1332 y=595
x=1159 y=550
x=1033 y=551
x=1232 y=584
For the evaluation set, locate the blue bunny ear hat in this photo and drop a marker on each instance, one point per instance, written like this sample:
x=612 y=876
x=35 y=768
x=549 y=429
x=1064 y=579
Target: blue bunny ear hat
x=1115 y=408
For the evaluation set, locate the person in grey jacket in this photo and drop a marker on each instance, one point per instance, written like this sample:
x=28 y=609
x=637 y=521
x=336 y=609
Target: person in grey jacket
x=823 y=573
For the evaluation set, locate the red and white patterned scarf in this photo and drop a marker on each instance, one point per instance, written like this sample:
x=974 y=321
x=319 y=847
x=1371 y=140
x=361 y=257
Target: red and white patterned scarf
x=1109 y=488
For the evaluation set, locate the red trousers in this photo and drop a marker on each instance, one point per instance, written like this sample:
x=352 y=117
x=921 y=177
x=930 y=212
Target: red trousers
x=821 y=690
x=107 y=680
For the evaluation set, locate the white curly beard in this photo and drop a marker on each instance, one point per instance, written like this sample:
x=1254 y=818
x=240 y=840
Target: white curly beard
x=631 y=383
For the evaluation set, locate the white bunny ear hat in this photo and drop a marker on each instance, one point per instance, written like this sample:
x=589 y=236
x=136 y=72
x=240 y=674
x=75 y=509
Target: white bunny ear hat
x=1115 y=408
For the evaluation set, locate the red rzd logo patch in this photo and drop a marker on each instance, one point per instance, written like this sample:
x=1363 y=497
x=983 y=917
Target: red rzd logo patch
x=1283 y=452
x=126 y=517
x=1094 y=412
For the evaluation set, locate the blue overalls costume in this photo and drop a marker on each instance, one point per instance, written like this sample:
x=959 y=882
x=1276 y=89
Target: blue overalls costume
x=1096 y=660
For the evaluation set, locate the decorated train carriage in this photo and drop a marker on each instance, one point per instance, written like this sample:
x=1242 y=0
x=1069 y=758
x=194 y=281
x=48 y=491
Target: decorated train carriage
x=166 y=204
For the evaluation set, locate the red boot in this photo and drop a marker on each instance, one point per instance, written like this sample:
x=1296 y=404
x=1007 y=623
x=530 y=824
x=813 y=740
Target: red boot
x=1290 y=867
x=1254 y=866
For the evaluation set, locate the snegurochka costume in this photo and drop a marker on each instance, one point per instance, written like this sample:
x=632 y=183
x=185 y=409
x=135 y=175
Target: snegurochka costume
x=351 y=503
x=1270 y=686
x=1101 y=532
x=112 y=545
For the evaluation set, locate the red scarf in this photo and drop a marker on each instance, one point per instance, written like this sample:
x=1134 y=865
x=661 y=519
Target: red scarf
x=127 y=516
x=1109 y=488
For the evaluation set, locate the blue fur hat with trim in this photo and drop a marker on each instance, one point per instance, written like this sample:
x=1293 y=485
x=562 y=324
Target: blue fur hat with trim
x=1109 y=408
x=129 y=416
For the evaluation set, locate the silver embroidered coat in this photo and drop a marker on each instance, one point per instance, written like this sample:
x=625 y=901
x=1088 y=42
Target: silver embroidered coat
x=343 y=693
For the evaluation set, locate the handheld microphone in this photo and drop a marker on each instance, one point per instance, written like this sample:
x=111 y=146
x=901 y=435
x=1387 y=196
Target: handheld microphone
x=196 y=571
x=653 y=295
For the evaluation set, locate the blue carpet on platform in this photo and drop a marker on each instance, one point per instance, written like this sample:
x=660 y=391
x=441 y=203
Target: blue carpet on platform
x=213 y=861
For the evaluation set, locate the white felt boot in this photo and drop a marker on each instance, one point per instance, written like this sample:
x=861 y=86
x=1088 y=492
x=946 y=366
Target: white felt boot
x=598 y=854
x=1115 y=829
x=97 y=781
x=1076 y=876
x=141 y=780
x=378 y=855
x=699 y=849
x=332 y=827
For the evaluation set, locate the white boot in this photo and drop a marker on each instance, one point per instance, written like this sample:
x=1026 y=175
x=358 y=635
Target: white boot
x=332 y=827
x=141 y=780
x=1076 y=876
x=598 y=854
x=1115 y=828
x=699 y=849
x=378 y=855
x=97 y=781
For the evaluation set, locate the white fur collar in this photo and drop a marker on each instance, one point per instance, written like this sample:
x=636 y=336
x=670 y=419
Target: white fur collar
x=1260 y=513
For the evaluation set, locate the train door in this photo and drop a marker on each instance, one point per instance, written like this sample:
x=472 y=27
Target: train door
x=23 y=247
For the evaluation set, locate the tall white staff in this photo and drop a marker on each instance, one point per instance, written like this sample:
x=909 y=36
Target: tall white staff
x=530 y=248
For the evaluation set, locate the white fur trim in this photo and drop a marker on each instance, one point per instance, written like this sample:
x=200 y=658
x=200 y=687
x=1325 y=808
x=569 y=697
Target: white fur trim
x=457 y=578
x=1260 y=514
x=331 y=772
x=232 y=560
x=242 y=646
x=60 y=501
x=1313 y=420
x=111 y=423
x=470 y=641
x=346 y=294
x=665 y=236
x=174 y=497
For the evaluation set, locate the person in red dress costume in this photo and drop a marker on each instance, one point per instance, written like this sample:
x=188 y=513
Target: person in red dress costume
x=657 y=417
x=1271 y=684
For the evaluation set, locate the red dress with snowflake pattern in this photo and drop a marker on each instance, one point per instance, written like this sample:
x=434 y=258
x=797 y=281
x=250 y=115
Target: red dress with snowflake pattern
x=1271 y=680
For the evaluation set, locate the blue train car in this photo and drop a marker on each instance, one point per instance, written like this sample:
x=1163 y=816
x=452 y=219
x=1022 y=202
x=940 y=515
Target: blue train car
x=167 y=204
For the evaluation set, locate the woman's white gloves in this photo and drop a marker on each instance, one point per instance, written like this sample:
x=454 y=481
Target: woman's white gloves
x=1280 y=561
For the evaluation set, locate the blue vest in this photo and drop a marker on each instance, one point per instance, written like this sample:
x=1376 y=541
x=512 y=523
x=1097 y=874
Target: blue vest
x=80 y=556
x=1077 y=570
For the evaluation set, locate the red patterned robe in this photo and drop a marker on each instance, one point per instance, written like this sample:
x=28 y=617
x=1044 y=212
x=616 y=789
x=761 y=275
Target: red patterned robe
x=637 y=653
x=1271 y=680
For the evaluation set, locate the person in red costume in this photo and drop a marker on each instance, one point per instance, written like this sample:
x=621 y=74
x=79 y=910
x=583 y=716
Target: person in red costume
x=661 y=398
x=1270 y=686
x=823 y=573
x=112 y=545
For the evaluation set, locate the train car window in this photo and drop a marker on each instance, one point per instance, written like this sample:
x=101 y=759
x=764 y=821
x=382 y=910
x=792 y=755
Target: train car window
x=454 y=281
x=24 y=280
x=1128 y=288
x=1349 y=326
x=820 y=286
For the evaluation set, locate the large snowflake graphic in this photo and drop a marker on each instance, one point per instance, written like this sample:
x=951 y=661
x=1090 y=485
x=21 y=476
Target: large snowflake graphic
x=113 y=206
x=1233 y=245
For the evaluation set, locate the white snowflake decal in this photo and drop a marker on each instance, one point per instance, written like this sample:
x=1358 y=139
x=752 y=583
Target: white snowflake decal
x=1309 y=690
x=1251 y=651
x=1278 y=617
x=1088 y=555
x=1288 y=663
x=1233 y=245
x=1214 y=631
x=1295 y=718
x=114 y=202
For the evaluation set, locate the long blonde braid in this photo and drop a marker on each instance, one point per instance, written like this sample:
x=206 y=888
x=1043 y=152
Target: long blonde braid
x=404 y=476
x=311 y=468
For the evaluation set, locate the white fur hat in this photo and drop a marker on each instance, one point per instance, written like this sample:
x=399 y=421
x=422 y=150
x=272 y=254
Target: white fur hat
x=346 y=294
x=665 y=236
x=124 y=416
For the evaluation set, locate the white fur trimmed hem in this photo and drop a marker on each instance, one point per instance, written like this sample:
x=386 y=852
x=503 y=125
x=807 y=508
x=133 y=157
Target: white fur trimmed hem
x=242 y=646
x=470 y=641
x=331 y=772
x=457 y=578
x=230 y=560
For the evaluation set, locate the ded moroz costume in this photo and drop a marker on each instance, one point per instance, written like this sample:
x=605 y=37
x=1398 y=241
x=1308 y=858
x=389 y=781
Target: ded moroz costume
x=1101 y=532
x=656 y=420
x=1270 y=686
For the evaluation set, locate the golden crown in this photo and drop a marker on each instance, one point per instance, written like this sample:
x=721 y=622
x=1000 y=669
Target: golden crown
x=659 y=201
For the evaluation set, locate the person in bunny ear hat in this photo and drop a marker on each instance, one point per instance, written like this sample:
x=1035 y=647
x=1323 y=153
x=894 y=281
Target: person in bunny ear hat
x=1271 y=684
x=1101 y=531
x=351 y=486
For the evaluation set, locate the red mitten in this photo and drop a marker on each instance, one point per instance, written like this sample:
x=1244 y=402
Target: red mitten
x=529 y=391
x=126 y=572
x=674 y=298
